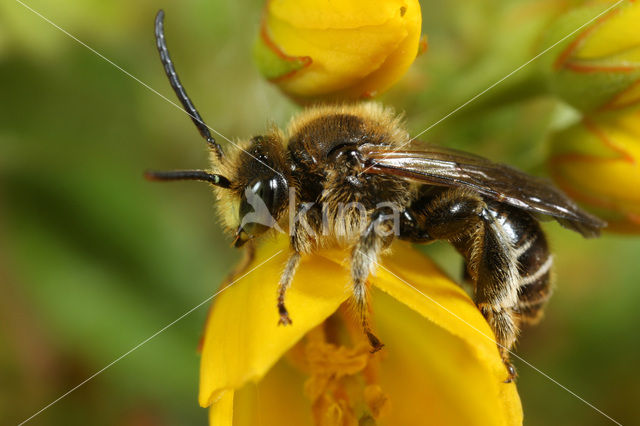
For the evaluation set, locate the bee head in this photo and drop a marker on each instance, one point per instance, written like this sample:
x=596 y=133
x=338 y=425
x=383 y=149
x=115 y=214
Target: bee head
x=262 y=187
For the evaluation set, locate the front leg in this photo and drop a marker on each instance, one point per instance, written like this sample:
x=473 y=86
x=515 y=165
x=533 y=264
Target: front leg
x=300 y=243
x=377 y=235
x=283 y=286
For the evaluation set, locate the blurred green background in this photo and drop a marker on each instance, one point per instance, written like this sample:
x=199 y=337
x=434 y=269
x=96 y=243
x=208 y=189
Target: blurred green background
x=94 y=259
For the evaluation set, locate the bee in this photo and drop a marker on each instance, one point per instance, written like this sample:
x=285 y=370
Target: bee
x=334 y=156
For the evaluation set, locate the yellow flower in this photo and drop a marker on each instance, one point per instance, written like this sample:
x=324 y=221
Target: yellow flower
x=599 y=67
x=597 y=162
x=322 y=49
x=439 y=366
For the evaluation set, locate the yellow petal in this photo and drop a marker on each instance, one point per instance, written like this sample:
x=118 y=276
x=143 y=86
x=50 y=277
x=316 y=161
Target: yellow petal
x=433 y=377
x=426 y=376
x=415 y=281
x=221 y=412
x=276 y=400
x=323 y=14
x=444 y=352
x=339 y=57
x=351 y=49
x=242 y=339
x=395 y=65
x=434 y=370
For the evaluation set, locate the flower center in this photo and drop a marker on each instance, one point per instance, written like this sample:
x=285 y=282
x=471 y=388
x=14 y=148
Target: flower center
x=342 y=383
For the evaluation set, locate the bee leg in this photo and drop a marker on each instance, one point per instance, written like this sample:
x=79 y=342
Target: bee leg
x=464 y=219
x=301 y=234
x=283 y=286
x=412 y=227
x=497 y=284
x=377 y=235
x=514 y=275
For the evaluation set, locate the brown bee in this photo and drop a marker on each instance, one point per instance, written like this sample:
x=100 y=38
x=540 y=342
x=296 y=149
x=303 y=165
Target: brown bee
x=346 y=177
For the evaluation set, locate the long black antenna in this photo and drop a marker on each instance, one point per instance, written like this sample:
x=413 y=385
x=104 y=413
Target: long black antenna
x=201 y=175
x=170 y=70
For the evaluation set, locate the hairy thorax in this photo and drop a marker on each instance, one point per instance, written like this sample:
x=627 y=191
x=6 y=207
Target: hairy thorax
x=334 y=197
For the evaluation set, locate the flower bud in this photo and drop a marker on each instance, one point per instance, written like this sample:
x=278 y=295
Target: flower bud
x=597 y=162
x=599 y=66
x=318 y=49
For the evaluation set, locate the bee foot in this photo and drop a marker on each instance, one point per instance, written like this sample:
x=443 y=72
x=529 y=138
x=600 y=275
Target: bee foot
x=285 y=320
x=511 y=370
x=375 y=343
x=284 y=316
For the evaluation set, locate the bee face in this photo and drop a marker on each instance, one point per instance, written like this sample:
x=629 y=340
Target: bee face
x=261 y=205
x=260 y=187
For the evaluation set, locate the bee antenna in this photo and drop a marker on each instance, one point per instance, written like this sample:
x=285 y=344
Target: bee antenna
x=179 y=90
x=201 y=175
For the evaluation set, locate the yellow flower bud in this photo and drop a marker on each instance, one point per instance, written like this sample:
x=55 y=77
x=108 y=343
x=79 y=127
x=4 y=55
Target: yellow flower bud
x=597 y=162
x=599 y=67
x=319 y=49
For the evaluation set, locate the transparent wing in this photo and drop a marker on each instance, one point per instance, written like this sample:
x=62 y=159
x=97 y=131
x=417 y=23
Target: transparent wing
x=447 y=167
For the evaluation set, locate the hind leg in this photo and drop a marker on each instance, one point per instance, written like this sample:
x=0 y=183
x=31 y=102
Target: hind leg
x=513 y=274
x=494 y=267
x=464 y=219
x=505 y=252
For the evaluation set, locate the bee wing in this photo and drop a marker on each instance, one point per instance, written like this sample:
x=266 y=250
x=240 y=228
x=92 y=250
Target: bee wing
x=448 y=167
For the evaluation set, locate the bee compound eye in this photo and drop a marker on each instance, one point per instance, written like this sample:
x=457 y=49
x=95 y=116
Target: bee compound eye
x=275 y=193
x=261 y=204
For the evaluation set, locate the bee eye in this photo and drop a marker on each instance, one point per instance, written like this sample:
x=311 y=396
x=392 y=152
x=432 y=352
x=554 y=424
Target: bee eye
x=272 y=192
x=260 y=206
